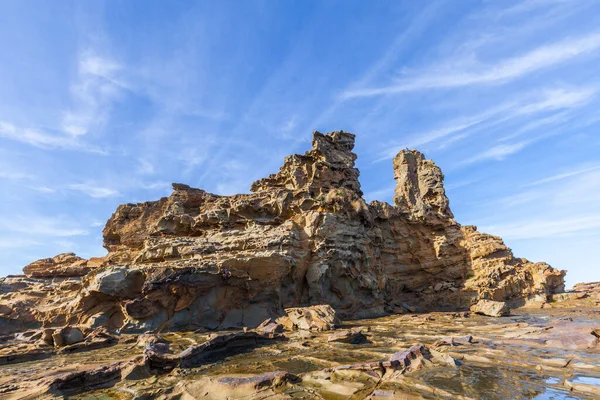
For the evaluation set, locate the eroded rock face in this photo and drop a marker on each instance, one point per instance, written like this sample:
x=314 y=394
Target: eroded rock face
x=62 y=265
x=303 y=237
x=420 y=187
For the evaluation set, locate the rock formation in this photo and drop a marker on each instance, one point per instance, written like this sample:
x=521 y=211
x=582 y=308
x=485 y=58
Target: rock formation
x=304 y=236
x=62 y=265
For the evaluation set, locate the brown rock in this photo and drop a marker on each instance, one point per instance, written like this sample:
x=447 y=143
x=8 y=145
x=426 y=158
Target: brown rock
x=257 y=381
x=420 y=187
x=352 y=336
x=304 y=236
x=62 y=265
x=491 y=308
x=318 y=318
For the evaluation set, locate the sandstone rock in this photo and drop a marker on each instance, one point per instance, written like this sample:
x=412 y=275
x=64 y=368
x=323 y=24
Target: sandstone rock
x=157 y=356
x=304 y=236
x=118 y=282
x=252 y=387
x=319 y=318
x=491 y=308
x=352 y=336
x=62 y=265
x=256 y=381
x=418 y=356
x=145 y=339
x=67 y=336
x=419 y=187
x=454 y=341
x=269 y=327
x=80 y=381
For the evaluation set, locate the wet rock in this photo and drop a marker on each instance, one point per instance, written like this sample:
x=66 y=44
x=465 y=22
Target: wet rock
x=340 y=384
x=252 y=387
x=418 y=356
x=564 y=336
x=410 y=358
x=352 y=336
x=491 y=308
x=256 y=381
x=461 y=314
x=318 y=318
x=454 y=341
x=158 y=358
x=221 y=345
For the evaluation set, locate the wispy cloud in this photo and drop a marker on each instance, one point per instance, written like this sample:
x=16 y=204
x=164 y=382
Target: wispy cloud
x=32 y=226
x=45 y=140
x=45 y=189
x=541 y=228
x=17 y=243
x=499 y=152
x=497 y=72
x=548 y=100
x=92 y=190
x=564 y=175
x=459 y=184
x=16 y=176
x=94 y=91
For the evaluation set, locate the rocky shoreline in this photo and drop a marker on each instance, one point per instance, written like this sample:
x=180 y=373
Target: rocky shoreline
x=298 y=290
x=533 y=353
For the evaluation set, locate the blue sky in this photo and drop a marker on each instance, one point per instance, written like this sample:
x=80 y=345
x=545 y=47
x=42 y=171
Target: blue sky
x=108 y=103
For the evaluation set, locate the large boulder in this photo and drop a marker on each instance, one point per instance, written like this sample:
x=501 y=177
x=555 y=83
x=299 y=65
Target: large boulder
x=491 y=308
x=67 y=336
x=118 y=282
x=314 y=318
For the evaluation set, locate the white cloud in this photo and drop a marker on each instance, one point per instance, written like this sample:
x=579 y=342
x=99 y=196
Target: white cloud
x=457 y=185
x=554 y=99
x=33 y=226
x=45 y=189
x=94 y=91
x=496 y=72
x=540 y=228
x=16 y=176
x=45 y=140
x=564 y=175
x=145 y=167
x=97 y=192
x=461 y=127
x=16 y=243
x=499 y=152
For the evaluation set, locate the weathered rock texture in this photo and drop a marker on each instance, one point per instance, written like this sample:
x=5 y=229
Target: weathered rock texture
x=304 y=236
x=62 y=265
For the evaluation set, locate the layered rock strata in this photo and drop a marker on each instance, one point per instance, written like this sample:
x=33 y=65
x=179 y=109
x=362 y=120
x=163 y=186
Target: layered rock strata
x=304 y=236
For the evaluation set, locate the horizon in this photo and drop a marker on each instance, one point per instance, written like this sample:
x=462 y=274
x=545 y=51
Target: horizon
x=109 y=103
